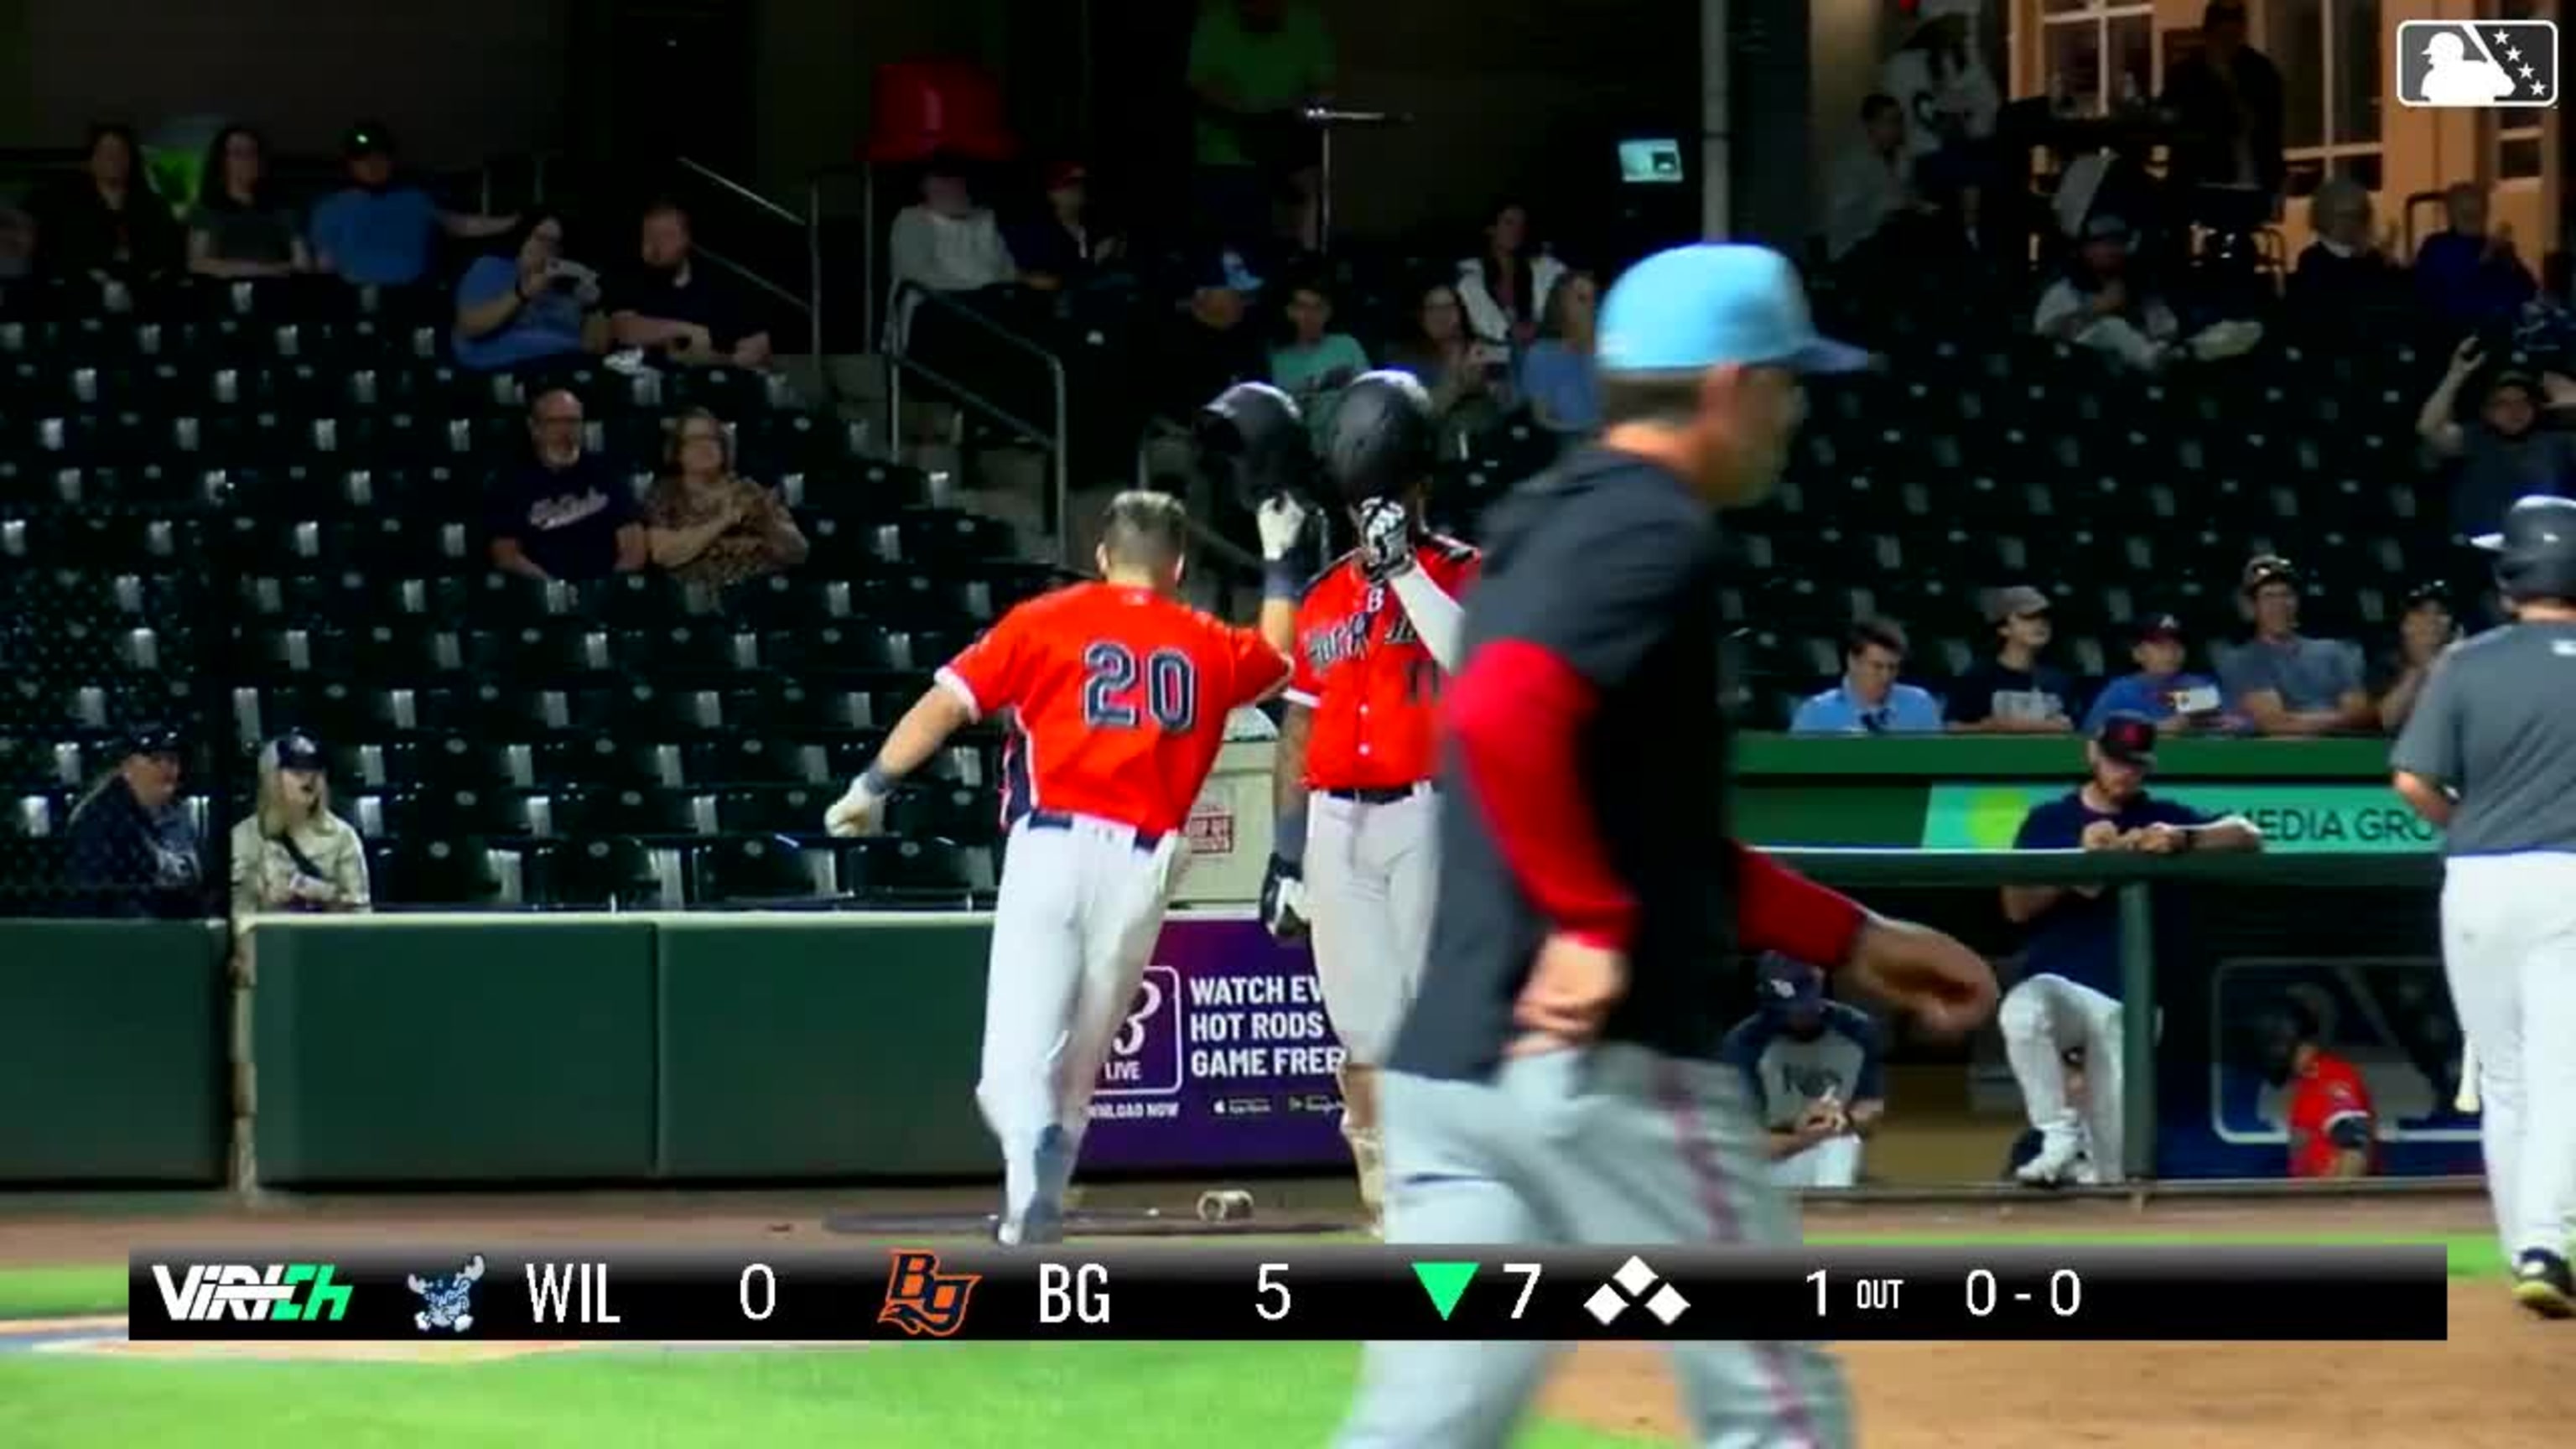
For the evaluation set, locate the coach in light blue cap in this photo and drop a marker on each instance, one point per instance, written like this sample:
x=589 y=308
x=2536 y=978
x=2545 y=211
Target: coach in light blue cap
x=1592 y=901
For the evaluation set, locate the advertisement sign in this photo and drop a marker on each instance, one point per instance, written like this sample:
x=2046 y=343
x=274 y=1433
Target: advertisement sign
x=1225 y=1060
x=2390 y=1017
x=2301 y=819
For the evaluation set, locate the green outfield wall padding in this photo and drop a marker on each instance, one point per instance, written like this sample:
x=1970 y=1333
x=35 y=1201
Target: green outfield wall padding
x=821 y=1046
x=112 y=1052
x=507 y=1049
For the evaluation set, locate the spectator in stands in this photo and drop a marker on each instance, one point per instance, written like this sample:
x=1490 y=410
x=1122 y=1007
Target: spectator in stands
x=133 y=850
x=238 y=228
x=1948 y=101
x=1870 y=700
x=528 y=304
x=947 y=242
x=706 y=524
x=2285 y=683
x=2503 y=453
x=2226 y=101
x=2161 y=690
x=1207 y=345
x=1503 y=287
x=677 y=310
x=2103 y=304
x=1252 y=64
x=2069 y=994
x=1812 y=1071
x=1470 y=382
x=291 y=853
x=2012 y=692
x=1556 y=373
x=2346 y=277
x=2466 y=274
x=563 y=512
x=108 y=220
x=1316 y=363
x=1058 y=248
x=1873 y=183
x=381 y=230
x=2426 y=629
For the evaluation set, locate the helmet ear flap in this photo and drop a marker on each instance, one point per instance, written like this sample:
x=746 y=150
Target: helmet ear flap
x=1252 y=441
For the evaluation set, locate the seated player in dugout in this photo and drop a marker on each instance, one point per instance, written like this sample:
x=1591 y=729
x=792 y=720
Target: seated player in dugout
x=2325 y=1105
x=2069 y=995
x=1812 y=1072
x=1355 y=849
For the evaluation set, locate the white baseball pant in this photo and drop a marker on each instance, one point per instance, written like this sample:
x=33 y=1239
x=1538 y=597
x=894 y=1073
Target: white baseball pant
x=1612 y=1145
x=1371 y=870
x=1834 y=1162
x=2509 y=951
x=2040 y=1019
x=1079 y=910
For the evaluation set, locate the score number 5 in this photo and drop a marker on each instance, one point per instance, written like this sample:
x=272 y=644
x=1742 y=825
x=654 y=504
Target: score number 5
x=1272 y=1300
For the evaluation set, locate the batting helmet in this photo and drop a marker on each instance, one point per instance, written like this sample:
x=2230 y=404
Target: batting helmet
x=1382 y=439
x=2536 y=549
x=1253 y=439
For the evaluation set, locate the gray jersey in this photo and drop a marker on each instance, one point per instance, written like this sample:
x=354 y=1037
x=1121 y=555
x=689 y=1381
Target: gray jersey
x=2497 y=724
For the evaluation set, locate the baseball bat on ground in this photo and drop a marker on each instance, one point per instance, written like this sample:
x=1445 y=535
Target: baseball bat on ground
x=2467 y=1100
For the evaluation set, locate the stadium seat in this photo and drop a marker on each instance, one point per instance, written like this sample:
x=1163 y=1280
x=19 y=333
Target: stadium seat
x=445 y=872
x=906 y=870
x=597 y=873
x=754 y=870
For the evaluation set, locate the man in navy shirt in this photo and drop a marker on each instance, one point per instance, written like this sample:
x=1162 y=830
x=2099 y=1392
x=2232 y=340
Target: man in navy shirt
x=1811 y=1069
x=2069 y=995
x=564 y=513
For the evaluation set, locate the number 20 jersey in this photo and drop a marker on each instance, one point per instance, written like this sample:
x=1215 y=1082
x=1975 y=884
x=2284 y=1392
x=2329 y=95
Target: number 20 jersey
x=1119 y=699
x=1374 y=688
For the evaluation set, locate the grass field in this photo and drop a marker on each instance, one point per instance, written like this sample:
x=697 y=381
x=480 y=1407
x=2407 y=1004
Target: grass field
x=1009 y=1396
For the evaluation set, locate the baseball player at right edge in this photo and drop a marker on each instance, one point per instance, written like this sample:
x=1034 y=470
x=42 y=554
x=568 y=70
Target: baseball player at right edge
x=2489 y=757
x=1355 y=853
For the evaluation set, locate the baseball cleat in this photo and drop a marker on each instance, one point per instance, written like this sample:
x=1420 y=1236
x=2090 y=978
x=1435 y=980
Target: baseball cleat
x=2542 y=1284
x=2053 y=1165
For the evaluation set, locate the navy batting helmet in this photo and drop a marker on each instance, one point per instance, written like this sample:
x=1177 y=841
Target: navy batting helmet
x=2536 y=549
x=1383 y=439
x=1253 y=439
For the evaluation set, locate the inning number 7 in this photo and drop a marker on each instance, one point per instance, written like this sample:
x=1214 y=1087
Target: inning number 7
x=1529 y=1283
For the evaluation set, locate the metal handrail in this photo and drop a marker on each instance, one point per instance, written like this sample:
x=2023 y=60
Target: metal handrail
x=737 y=270
x=1058 y=442
x=738 y=190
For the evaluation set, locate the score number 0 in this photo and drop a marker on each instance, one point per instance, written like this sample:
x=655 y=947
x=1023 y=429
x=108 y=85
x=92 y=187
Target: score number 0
x=1273 y=1300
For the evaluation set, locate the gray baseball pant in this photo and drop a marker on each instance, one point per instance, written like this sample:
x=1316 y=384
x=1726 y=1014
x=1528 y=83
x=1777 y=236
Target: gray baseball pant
x=1610 y=1146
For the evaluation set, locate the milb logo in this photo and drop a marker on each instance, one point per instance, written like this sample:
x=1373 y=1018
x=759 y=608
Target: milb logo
x=247 y=1294
x=2477 y=64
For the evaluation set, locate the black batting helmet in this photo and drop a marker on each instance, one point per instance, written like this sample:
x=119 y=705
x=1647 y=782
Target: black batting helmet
x=1383 y=439
x=2536 y=549
x=1253 y=439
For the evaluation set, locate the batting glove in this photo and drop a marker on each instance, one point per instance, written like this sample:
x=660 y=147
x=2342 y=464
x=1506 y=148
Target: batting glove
x=858 y=812
x=1281 y=521
x=1386 y=537
x=1283 y=901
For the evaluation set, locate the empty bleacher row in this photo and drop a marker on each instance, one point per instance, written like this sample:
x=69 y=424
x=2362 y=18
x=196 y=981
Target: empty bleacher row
x=248 y=524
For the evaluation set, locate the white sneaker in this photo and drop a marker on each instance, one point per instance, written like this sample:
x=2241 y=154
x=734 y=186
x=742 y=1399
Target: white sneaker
x=2058 y=1154
x=2222 y=340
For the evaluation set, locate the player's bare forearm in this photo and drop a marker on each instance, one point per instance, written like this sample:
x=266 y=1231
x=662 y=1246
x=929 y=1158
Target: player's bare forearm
x=2425 y=797
x=2233 y=833
x=1784 y=1145
x=922 y=731
x=1864 y=1116
x=2022 y=903
x=1278 y=625
x=1288 y=763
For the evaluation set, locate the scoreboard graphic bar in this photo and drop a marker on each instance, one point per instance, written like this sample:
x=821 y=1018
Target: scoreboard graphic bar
x=1285 y=1292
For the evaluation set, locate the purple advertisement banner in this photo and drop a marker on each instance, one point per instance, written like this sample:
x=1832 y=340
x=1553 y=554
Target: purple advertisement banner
x=1226 y=1060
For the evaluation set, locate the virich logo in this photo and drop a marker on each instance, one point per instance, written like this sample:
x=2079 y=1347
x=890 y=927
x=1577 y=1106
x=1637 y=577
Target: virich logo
x=275 y=1293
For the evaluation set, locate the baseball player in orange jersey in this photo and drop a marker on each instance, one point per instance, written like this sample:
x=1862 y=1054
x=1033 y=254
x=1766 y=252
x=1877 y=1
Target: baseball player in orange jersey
x=1354 y=854
x=1118 y=696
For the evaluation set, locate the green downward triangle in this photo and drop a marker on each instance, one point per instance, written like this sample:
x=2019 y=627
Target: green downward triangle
x=1445 y=1282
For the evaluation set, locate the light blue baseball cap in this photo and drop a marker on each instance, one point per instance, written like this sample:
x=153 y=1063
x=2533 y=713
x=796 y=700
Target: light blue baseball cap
x=1690 y=308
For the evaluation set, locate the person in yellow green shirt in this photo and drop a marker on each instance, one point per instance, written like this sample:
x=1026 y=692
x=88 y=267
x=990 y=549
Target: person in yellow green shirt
x=1252 y=63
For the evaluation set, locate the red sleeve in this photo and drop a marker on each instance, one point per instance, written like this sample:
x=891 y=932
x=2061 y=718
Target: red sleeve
x=1256 y=669
x=1517 y=714
x=1777 y=909
x=992 y=673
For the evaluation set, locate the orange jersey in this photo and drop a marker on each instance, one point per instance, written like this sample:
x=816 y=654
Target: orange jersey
x=2329 y=1091
x=1374 y=688
x=1118 y=699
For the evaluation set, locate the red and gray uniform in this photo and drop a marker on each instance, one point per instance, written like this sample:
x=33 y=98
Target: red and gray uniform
x=1585 y=792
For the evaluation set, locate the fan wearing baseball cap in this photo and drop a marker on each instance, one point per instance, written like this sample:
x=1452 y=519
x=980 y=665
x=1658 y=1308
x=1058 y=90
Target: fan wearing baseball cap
x=2069 y=995
x=292 y=853
x=2161 y=690
x=2288 y=683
